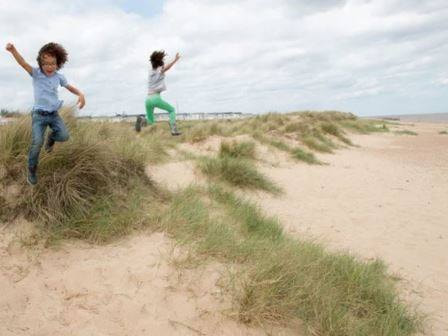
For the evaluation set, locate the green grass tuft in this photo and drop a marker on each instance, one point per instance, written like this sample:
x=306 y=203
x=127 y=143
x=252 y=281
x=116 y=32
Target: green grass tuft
x=307 y=157
x=244 y=150
x=237 y=172
x=405 y=132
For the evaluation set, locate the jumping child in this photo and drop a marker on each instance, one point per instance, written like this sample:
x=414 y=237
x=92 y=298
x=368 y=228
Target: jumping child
x=46 y=80
x=156 y=84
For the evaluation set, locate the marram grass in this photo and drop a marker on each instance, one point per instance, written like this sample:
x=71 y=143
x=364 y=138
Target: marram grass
x=94 y=187
x=236 y=172
x=281 y=279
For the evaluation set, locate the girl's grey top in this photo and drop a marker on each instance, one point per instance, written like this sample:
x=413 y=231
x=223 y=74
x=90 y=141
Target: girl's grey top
x=156 y=81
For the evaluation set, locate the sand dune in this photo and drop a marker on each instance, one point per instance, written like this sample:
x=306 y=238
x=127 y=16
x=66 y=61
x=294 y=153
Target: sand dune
x=386 y=198
x=130 y=287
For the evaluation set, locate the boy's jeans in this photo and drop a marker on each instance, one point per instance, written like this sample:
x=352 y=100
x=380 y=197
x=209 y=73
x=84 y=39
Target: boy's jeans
x=40 y=122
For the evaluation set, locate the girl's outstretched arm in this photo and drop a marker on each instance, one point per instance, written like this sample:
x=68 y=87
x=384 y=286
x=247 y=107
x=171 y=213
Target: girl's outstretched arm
x=169 y=65
x=12 y=49
x=75 y=91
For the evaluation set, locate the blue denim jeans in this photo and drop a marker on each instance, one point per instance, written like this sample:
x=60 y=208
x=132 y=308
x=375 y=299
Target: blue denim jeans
x=39 y=125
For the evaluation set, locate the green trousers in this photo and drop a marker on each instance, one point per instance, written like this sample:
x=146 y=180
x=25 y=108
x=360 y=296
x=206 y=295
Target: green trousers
x=154 y=101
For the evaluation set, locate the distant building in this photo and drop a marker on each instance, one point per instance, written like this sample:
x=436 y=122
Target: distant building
x=163 y=116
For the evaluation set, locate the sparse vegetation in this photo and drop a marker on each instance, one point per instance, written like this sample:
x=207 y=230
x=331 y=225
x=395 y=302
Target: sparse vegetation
x=405 y=132
x=94 y=187
x=92 y=168
x=443 y=132
x=5 y=113
x=234 y=149
x=237 y=172
x=282 y=279
x=296 y=152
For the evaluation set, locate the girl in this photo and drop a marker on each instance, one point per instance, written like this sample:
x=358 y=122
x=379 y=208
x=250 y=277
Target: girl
x=156 y=84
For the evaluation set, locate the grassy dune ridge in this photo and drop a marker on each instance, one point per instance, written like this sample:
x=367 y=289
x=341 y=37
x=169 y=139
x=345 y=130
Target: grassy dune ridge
x=94 y=187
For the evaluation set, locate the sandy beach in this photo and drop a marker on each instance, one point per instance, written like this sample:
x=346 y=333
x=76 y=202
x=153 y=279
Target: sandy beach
x=385 y=198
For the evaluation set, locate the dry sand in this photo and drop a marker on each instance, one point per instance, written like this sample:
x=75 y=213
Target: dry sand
x=130 y=288
x=387 y=198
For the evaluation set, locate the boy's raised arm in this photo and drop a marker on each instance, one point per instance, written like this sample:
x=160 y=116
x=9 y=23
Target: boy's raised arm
x=12 y=49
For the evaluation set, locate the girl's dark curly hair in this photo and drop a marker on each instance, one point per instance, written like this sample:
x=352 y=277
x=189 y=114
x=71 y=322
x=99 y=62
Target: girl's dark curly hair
x=55 y=50
x=157 y=59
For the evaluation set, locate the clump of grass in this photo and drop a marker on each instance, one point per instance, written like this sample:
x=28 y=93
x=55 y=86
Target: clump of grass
x=332 y=294
x=281 y=145
x=405 y=132
x=293 y=127
x=244 y=149
x=365 y=126
x=252 y=222
x=301 y=155
x=237 y=172
x=278 y=119
x=280 y=279
x=327 y=116
x=14 y=142
x=333 y=129
x=295 y=152
x=443 y=132
x=111 y=216
x=76 y=175
x=200 y=131
x=316 y=145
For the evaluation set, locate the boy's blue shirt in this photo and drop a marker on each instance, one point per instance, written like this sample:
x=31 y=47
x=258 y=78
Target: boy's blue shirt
x=46 y=90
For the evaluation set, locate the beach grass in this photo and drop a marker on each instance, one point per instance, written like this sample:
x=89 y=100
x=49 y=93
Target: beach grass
x=93 y=170
x=280 y=279
x=236 y=172
x=405 y=132
x=94 y=188
x=296 y=152
x=235 y=149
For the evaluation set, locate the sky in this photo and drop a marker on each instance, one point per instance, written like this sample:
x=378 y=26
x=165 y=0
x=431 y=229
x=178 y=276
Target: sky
x=368 y=57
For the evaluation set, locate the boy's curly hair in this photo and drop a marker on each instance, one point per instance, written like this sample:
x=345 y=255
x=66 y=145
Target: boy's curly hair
x=55 y=50
x=157 y=58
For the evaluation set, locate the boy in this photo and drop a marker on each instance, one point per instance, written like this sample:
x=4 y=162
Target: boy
x=46 y=80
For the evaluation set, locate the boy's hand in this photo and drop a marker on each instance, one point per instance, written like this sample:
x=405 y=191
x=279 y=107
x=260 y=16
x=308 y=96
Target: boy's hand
x=177 y=57
x=10 y=47
x=81 y=101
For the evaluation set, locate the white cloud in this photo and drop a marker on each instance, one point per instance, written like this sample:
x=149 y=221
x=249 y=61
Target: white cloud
x=443 y=81
x=237 y=55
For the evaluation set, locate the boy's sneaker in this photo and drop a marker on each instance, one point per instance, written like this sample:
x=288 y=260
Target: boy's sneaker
x=174 y=130
x=32 y=175
x=138 y=124
x=49 y=144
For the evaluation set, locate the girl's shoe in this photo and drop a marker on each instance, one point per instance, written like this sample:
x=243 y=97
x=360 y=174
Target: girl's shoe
x=138 y=124
x=174 y=130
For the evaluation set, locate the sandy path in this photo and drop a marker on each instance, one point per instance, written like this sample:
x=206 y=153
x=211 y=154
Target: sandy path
x=125 y=288
x=388 y=199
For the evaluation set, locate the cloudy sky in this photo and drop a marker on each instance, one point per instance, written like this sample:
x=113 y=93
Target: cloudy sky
x=369 y=57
